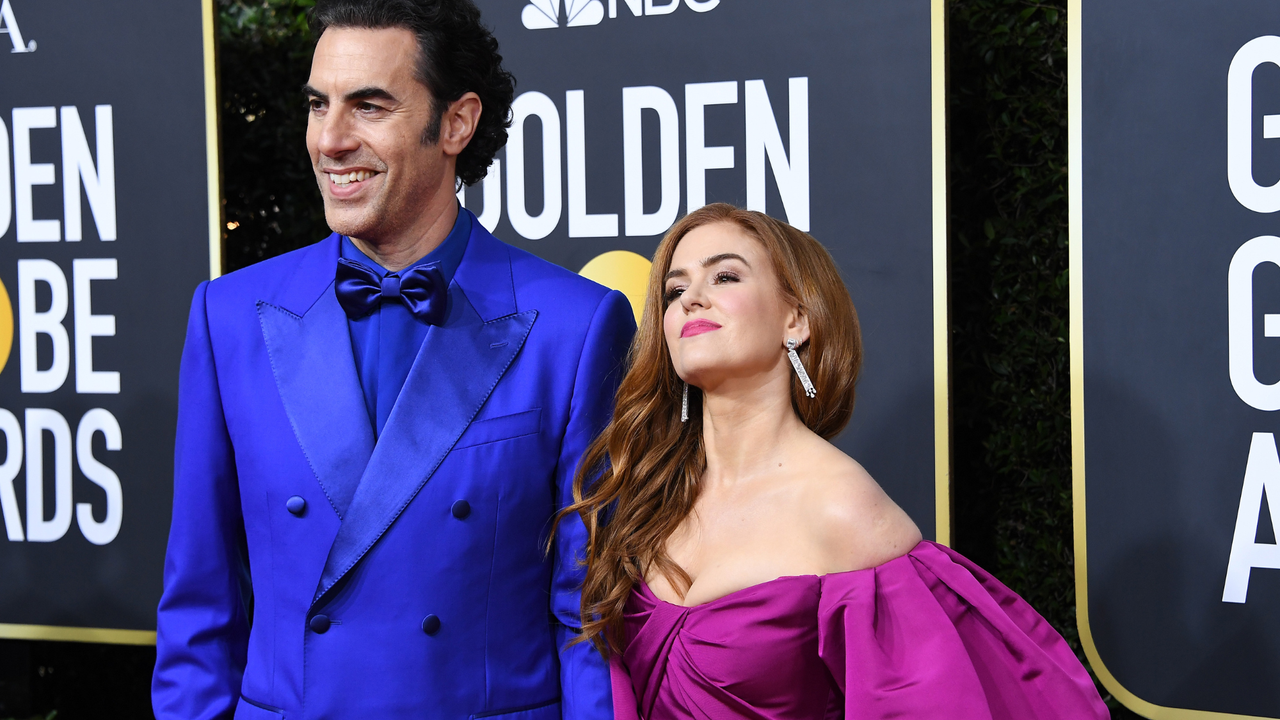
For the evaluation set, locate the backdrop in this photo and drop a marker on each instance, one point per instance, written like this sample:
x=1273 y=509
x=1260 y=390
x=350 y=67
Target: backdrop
x=104 y=234
x=630 y=113
x=1176 y=284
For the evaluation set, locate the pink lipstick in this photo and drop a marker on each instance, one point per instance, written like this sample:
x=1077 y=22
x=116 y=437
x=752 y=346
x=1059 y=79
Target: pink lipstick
x=697 y=327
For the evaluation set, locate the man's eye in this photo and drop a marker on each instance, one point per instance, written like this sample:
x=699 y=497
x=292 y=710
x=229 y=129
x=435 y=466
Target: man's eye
x=316 y=105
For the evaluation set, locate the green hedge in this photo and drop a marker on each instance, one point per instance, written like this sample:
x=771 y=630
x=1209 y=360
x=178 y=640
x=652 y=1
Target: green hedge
x=270 y=200
x=1009 y=296
x=1007 y=106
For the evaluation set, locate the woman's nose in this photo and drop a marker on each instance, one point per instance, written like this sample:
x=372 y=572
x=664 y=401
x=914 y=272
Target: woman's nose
x=693 y=297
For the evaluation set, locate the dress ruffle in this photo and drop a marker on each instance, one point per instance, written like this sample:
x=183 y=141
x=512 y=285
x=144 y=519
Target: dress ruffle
x=927 y=635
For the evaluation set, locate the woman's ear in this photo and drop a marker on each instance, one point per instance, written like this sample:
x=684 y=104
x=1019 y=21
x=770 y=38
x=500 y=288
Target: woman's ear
x=797 y=325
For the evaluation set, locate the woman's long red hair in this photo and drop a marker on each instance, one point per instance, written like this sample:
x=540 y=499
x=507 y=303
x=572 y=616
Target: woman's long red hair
x=640 y=479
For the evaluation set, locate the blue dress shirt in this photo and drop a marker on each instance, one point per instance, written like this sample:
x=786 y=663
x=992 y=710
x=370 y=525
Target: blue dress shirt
x=386 y=341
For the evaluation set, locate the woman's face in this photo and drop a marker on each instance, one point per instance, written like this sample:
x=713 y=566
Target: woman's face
x=726 y=318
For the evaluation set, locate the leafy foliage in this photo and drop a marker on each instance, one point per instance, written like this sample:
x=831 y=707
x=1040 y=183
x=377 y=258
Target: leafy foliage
x=1007 y=105
x=270 y=200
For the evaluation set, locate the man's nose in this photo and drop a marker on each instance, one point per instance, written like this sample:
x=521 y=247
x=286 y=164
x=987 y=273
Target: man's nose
x=336 y=136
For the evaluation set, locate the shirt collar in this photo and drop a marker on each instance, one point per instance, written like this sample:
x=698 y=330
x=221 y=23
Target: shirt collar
x=448 y=254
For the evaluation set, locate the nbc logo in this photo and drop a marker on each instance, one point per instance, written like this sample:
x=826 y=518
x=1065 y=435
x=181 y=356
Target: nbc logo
x=545 y=14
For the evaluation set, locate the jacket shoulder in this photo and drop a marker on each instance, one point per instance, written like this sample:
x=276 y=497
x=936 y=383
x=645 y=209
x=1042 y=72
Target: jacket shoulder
x=537 y=279
x=274 y=277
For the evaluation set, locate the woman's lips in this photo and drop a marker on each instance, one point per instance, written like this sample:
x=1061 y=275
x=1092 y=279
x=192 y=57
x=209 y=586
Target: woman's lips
x=697 y=327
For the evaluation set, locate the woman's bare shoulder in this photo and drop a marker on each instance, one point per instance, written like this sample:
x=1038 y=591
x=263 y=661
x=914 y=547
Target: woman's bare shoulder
x=855 y=524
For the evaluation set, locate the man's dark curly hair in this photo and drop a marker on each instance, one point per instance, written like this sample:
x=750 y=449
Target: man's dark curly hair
x=456 y=55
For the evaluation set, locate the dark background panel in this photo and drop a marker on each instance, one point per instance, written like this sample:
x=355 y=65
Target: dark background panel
x=870 y=169
x=145 y=59
x=1166 y=436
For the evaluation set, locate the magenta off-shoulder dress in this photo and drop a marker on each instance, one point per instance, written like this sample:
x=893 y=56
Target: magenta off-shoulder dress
x=928 y=635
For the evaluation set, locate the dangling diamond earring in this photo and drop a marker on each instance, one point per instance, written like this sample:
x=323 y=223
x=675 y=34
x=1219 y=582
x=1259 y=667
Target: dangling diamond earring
x=684 y=405
x=795 y=363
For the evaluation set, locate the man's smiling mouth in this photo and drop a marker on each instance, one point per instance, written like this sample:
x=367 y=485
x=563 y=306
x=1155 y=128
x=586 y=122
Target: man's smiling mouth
x=348 y=178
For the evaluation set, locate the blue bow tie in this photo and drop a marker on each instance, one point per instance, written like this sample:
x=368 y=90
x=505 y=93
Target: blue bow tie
x=423 y=290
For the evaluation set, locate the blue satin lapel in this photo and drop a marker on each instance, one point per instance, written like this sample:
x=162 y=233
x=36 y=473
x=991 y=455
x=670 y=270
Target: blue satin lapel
x=316 y=375
x=458 y=366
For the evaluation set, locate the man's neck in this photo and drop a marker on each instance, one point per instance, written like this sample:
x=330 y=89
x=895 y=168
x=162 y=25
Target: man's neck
x=399 y=252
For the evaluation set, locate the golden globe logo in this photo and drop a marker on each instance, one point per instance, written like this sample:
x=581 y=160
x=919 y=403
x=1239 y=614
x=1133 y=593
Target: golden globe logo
x=6 y=326
x=624 y=271
x=545 y=14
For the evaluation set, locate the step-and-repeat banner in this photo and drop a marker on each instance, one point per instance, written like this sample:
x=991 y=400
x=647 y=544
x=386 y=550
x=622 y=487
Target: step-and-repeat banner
x=630 y=113
x=104 y=234
x=1175 y=171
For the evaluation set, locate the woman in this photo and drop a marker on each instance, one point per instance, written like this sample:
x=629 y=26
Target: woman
x=738 y=564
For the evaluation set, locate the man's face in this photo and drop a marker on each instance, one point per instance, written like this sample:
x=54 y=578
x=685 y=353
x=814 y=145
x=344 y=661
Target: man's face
x=364 y=134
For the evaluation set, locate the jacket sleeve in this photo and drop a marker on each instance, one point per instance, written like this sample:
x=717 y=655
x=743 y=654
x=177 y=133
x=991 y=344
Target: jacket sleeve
x=584 y=676
x=202 y=623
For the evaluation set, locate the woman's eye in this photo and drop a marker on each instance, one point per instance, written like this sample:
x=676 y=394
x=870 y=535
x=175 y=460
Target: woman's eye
x=724 y=277
x=673 y=293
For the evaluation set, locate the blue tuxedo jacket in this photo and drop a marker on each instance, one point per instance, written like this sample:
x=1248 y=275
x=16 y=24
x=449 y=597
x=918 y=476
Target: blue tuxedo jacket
x=414 y=582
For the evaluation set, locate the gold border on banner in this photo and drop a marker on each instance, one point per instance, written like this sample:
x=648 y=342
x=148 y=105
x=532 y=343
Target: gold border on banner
x=941 y=298
x=1075 y=167
x=148 y=637
x=214 y=171
x=78 y=634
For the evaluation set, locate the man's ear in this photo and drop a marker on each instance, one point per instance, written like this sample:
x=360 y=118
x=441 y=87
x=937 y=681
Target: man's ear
x=459 y=123
x=797 y=325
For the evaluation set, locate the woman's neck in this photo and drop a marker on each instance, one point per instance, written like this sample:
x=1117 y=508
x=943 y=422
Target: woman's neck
x=747 y=431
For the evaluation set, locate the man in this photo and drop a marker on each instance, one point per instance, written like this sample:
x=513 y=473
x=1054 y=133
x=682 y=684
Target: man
x=374 y=431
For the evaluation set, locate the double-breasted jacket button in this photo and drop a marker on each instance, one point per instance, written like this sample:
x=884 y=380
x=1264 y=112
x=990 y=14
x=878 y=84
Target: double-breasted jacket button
x=319 y=624
x=431 y=624
x=296 y=504
x=461 y=509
